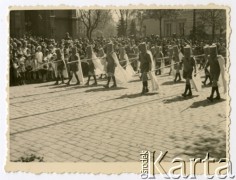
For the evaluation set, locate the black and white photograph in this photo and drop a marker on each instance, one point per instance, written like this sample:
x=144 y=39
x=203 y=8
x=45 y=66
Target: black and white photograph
x=118 y=85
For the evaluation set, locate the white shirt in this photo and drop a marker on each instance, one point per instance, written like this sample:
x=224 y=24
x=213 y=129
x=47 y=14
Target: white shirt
x=39 y=57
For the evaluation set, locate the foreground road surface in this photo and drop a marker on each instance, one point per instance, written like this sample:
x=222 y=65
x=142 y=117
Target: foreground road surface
x=88 y=123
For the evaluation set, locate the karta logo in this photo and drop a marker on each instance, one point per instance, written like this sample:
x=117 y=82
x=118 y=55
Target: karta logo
x=152 y=165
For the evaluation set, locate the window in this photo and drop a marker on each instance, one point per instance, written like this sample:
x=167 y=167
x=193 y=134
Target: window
x=181 y=29
x=168 y=30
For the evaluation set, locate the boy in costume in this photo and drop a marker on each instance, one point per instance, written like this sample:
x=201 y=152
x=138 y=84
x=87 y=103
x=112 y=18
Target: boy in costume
x=73 y=66
x=145 y=66
x=111 y=65
x=214 y=72
x=188 y=66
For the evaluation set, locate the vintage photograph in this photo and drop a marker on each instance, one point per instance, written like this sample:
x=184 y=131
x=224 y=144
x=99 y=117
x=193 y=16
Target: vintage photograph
x=111 y=85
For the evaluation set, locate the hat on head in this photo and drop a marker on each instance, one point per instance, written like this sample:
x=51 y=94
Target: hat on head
x=89 y=51
x=213 y=51
x=158 y=49
x=153 y=50
x=143 y=47
x=50 y=46
x=122 y=52
x=206 y=50
x=187 y=51
x=19 y=44
x=74 y=50
x=58 y=52
x=39 y=48
x=175 y=49
x=110 y=47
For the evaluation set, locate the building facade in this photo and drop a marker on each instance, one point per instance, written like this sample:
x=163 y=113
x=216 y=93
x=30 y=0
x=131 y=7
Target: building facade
x=180 y=25
x=46 y=23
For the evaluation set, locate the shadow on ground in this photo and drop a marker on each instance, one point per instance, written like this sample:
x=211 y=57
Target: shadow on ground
x=46 y=85
x=178 y=98
x=215 y=146
x=83 y=86
x=135 y=95
x=59 y=86
x=105 y=89
x=135 y=80
x=205 y=102
x=172 y=82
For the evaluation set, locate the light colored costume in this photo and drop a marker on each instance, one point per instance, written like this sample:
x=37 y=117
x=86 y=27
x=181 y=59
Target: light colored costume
x=114 y=69
x=127 y=66
x=102 y=57
x=95 y=66
x=120 y=73
x=38 y=60
x=147 y=68
x=222 y=80
x=217 y=71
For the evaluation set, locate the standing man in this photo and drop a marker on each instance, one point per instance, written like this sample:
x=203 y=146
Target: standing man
x=145 y=66
x=214 y=73
x=188 y=66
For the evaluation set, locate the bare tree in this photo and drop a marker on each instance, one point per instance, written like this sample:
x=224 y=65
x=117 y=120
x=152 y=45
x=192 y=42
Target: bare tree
x=92 y=18
x=215 y=18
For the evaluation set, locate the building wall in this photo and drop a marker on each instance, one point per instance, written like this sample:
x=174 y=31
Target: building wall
x=45 y=23
x=17 y=21
x=62 y=24
x=185 y=19
x=180 y=25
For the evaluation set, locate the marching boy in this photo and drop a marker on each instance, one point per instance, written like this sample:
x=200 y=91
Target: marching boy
x=73 y=66
x=206 y=65
x=111 y=65
x=91 y=66
x=214 y=73
x=145 y=66
x=177 y=65
x=59 y=66
x=188 y=66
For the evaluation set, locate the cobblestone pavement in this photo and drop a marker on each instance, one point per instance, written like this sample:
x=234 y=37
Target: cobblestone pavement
x=81 y=123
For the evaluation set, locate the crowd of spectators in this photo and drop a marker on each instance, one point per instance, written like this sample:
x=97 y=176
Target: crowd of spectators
x=31 y=58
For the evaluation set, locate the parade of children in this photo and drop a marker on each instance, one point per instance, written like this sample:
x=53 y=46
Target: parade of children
x=117 y=60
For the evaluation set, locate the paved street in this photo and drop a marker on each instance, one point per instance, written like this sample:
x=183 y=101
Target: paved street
x=90 y=123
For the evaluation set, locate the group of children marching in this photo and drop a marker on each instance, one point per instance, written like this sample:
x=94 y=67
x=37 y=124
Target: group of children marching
x=149 y=61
